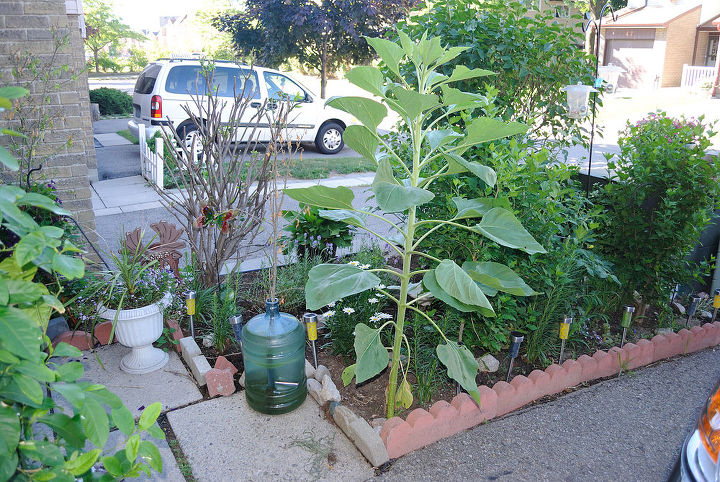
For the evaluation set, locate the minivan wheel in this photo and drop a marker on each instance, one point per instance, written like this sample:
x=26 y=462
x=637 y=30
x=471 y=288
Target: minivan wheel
x=329 y=138
x=188 y=134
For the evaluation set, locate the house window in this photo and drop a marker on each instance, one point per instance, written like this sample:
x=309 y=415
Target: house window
x=712 y=51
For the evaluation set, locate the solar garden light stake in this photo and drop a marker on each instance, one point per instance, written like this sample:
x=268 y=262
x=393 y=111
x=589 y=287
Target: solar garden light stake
x=694 y=302
x=190 y=306
x=625 y=322
x=310 y=320
x=716 y=304
x=516 y=338
x=236 y=323
x=564 y=332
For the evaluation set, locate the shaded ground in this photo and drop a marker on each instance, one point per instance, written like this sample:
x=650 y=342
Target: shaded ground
x=627 y=428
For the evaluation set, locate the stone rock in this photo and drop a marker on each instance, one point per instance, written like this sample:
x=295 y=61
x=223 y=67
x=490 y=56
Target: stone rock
x=664 y=331
x=241 y=380
x=222 y=363
x=219 y=382
x=56 y=326
x=102 y=332
x=678 y=307
x=365 y=438
x=78 y=339
x=377 y=422
x=320 y=373
x=199 y=366
x=329 y=392
x=309 y=370
x=488 y=363
x=189 y=348
x=314 y=388
x=208 y=340
x=704 y=314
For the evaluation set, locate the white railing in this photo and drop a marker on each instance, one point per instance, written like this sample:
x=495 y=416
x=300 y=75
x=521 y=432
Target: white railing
x=152 y=163
x=696 y=75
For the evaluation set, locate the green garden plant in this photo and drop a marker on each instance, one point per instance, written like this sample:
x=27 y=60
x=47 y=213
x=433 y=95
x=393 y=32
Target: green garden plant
x=421 y=108
x=111 y=101
x=661 y=199
x=41 y=439
x=314 y=235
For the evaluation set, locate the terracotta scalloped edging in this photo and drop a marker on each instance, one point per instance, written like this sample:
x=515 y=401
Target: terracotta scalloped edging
x=444 y=419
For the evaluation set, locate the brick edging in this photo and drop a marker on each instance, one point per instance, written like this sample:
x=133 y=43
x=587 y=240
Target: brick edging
x=421 y=427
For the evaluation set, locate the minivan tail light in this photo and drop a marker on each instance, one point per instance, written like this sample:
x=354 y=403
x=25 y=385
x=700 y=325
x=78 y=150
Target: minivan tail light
x=709 y=425
x=156 y=107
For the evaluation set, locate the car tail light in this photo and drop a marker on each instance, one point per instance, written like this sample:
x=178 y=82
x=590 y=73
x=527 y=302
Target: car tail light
x=709 y=424
x=156 y=107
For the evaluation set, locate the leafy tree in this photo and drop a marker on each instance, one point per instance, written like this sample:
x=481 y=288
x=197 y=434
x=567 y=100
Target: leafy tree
x=325 y=34
x=104 y=29
x=533 y=55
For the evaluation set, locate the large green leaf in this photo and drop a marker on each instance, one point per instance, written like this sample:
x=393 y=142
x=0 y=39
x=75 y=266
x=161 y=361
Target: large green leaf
x=431 y=284
x=82 y=463
x=8 y=160
x=23 y=389
x=18 y=221
x=70 y=371
x=441 y=137
x=94 y=422
x=361 y=140
x=13 y=92
x=458 y=284
x=66 y=427
x=343 y=215
x=339 y=197
x=149 y=415
x=484 y=129
x=328 y=283
x=40 y=201
x=498 y=276
x=18 y=333
x=384 y=173
x=389 y=52
x=478 y=207
x=485 y=173
x=123 y=420
x=368 y=78
x=393 y=198
x=43 y=451
x=457 y=100
x=68 y=266
x=36 y=370
x=369 y=112
x=9 y=430
x=372 y=357
x=21 y=291
x=461 y=366
x=463 y=73
x=29 y=247
x=150 y=454
x=411 y=103
x=503 y=227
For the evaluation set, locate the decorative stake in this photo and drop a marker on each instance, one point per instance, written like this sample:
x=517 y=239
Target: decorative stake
x=694 y=302
x=626 y=320
x=716 y=304
x=190 y=306
x=516 y=338
x=310 y=320
x=236 y=323
x=564 y=332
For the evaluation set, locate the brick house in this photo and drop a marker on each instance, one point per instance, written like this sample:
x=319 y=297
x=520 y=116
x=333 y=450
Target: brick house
x=28 y=30
x=653 y=39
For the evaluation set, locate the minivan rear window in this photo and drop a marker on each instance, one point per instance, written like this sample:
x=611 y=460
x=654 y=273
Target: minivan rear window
x=228 y=81
x=146 y=81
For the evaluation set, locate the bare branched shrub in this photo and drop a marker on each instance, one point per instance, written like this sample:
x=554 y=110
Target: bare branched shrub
x=227 y=183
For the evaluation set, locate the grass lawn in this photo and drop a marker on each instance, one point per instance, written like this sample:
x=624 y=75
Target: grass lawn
x=320 y=168
x=126 y=134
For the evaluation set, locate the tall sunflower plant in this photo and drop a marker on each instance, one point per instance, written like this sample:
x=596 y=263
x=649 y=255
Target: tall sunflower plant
x=424 y=102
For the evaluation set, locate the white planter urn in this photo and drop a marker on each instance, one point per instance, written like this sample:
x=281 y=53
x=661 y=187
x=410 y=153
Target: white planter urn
x=138 y=329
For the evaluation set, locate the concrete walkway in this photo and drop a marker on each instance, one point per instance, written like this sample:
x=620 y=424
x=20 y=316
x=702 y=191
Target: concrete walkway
x=626 y=428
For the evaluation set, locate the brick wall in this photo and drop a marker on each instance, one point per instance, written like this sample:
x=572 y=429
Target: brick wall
x=680 y=44
x=27 y=27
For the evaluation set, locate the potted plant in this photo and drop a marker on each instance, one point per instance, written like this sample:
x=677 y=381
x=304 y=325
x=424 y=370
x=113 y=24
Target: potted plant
x=133 y=296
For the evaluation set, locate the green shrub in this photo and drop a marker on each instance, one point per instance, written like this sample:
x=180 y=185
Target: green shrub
x=111 y=101
x=313 y=235
x=661 y=199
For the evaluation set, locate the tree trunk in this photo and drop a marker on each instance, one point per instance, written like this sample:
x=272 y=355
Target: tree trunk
x=95 y=57
x=323 y=68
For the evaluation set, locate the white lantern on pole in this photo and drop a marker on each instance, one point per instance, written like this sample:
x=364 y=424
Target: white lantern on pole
x=578 y=97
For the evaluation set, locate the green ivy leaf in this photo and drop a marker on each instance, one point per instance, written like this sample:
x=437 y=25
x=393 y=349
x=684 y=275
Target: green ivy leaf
x=348 y=374
x=498 y=276
x=458 y=284
x=322 y=196
x=370 y=354
x=94 y=422
x=503 y=227
x=461 y=366
x=328 y=283
x=367 y=78
x=367 y=111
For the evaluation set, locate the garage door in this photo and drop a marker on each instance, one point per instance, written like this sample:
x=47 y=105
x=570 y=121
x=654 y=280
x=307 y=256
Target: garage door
x=642 y=62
